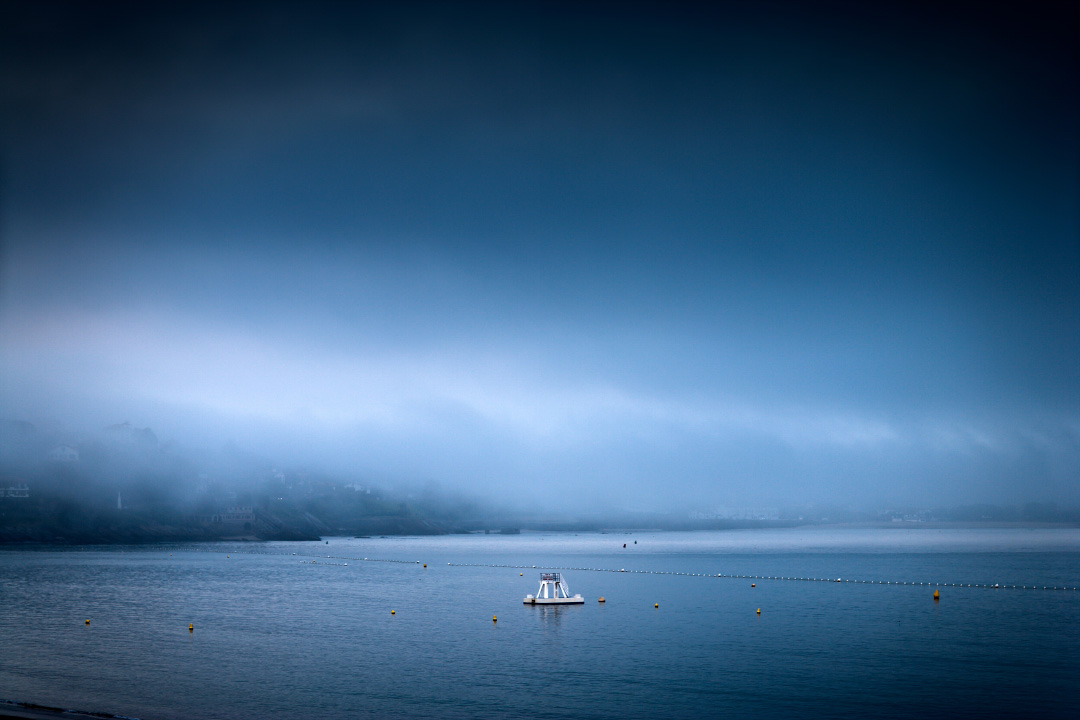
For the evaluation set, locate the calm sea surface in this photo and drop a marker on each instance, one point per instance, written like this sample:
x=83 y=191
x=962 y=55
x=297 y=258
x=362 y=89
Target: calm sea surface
x=280 y=636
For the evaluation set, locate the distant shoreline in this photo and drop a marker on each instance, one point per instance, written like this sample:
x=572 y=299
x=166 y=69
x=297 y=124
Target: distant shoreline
x=713 y=527
x=948 y=525
x=11 y=710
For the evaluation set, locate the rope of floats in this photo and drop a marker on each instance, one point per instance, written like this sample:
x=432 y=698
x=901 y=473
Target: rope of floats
x=729 y=576
x=732 y=576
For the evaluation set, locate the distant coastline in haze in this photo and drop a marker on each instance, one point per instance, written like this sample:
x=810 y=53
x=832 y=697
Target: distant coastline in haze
x=122 y=485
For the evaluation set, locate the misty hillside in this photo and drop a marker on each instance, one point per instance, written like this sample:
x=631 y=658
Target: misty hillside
x=122 y=484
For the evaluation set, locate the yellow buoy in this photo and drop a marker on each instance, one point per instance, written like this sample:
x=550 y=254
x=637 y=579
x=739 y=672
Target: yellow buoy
x=759 y=611
x=191 y=627
x=494 y=618
x=937 y=595
x=521 y=574
x=393 y=612
x=87 y=622
x=601 y=599
x=656 y=605
x=425 y=564
x=753 y=584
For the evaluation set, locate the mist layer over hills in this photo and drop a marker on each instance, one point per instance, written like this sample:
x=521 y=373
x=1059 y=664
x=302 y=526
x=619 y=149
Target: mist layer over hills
x=121 y=484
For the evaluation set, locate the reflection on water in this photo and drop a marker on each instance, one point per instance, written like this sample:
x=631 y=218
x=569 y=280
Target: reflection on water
x=551 y=614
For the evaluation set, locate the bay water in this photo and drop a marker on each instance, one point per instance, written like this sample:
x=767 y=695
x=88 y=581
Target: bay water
x=360 y=628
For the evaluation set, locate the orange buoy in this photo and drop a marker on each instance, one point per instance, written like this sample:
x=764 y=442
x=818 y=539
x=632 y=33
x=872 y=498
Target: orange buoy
x=601 y=599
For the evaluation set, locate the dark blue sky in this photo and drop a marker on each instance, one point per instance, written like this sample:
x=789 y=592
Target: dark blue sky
x=626 y=255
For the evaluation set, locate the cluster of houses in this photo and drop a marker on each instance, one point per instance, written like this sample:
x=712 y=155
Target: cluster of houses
x=15 y=490
x=737 y=513
x=237 y=515
x=235 y=519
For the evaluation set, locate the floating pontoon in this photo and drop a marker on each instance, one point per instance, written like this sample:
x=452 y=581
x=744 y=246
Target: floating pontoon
x=553 y=591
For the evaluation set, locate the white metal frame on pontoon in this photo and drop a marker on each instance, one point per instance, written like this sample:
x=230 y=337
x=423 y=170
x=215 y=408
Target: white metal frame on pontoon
x=553 y=591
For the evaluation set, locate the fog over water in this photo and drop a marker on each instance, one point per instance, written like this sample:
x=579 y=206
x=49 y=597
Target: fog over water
x=625 y=258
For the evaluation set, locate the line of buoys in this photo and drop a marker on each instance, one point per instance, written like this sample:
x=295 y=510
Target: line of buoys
x=657 y=572
x=760 y=577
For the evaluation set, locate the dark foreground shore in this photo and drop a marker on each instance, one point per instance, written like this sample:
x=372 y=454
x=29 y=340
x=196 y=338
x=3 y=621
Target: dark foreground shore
x=29 y=711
